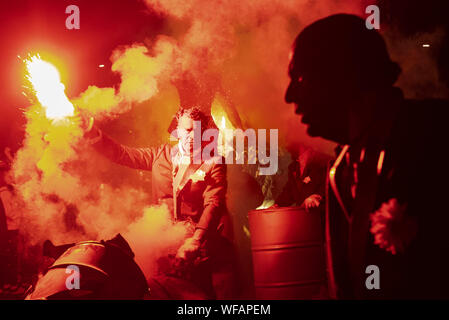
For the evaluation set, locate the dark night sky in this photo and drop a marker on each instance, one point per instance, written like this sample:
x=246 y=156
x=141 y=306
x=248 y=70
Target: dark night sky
x=30 y=25
x=414 y=16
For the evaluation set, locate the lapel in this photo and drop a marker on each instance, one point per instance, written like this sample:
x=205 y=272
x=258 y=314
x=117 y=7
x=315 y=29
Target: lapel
x=190 y=171
x=358 y=218
x=364 y=205
x=333 y=182
x=185 y=171
x=183 y=176
x=179 y=169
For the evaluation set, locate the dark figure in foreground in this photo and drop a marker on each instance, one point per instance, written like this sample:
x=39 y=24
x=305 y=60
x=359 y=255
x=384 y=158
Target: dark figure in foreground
x=90 y=270
x=3 y=226
x=3 y=167
x=385 y=193
x=9 y=223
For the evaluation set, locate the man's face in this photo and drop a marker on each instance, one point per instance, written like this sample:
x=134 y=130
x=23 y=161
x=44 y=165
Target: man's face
x=320 y=99
x=186 y=129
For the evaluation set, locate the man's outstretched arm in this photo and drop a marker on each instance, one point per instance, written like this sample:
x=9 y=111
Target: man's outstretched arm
x=137 y=158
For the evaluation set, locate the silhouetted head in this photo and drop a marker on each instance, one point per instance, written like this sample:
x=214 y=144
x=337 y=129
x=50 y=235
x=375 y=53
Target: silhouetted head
x=336 y=64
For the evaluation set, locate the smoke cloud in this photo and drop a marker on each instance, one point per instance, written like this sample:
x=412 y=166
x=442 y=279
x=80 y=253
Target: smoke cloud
x=234 y=49
x=64 y=197
x=154 y=236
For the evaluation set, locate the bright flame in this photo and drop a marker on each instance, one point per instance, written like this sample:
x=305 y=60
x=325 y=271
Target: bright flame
x=48 y=88
x=223 y=123
x=267 y=203
x=224 y=126
x=219 y=115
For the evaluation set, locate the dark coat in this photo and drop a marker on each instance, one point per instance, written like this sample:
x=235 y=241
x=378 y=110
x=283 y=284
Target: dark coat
x=413 y=171
x=303 y=182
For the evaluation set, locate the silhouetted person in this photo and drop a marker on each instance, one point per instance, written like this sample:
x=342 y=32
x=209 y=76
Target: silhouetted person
x=5 y=255
x=306 y=180
x=3 y=227
x=386 y=205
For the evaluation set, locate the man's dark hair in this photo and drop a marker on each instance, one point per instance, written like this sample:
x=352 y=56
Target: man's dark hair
x=197 y=115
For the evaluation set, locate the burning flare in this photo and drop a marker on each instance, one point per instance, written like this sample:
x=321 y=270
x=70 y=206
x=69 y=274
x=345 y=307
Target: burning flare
x=49 y=90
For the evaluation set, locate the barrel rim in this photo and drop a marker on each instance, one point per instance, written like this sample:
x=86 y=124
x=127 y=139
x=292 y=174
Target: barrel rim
x=297 y=209
x=287 y=246
x=66 y=264
x=298 y=283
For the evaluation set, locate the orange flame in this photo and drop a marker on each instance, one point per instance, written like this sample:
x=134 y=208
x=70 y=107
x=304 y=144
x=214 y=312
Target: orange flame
x=49 y=90
x=223 y=123
x=219 y=114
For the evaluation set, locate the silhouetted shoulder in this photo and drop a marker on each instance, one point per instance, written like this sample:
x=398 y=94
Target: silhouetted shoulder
x=426 y=119
x=419 y=143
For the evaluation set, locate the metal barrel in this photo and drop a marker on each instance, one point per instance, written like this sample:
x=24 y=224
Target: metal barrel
x=288 y=253
x=106 y=271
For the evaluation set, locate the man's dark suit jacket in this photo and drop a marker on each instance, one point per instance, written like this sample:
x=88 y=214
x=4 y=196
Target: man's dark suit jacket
x=413 y=172
x=303 y=182
x=201 y=195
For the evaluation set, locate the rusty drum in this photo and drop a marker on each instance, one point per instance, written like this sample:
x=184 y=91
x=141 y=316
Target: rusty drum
x=288 y=253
